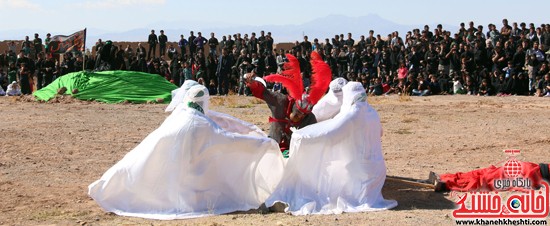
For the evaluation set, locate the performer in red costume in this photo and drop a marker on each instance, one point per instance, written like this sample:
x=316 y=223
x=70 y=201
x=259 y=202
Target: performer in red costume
x=484 y=179
x=294 y=109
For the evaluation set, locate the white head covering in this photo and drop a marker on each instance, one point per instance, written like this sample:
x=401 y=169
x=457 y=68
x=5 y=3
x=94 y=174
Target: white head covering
x=179 y=94
x=198 y=95
x=353 y=92
x=330 y=104
x=337 y=84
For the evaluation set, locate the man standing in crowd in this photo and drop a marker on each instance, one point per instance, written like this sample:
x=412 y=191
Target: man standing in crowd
x=225 y=62
x=163 y=39
x=37 y=45
x=200 y=42
x=192 y=45
x=152 y=41
x=213 y=44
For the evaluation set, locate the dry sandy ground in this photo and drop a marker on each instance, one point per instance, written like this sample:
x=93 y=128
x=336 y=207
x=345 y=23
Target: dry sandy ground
x=51 y=152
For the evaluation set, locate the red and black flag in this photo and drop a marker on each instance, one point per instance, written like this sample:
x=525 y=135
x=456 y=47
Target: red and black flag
x=64 y=43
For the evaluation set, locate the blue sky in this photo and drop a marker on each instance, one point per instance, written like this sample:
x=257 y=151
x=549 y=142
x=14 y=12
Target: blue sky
x=59 y=16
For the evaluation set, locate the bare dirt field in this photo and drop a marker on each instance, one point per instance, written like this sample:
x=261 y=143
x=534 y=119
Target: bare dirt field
x=51 y=152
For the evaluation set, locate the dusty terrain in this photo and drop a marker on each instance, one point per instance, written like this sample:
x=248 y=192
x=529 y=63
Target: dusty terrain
x=51 y=152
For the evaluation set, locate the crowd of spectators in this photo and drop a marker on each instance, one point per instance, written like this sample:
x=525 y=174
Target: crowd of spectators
x=510 y=60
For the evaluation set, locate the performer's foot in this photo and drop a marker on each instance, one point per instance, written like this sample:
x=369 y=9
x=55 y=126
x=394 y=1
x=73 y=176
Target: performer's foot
x=278 y=207
x=263 y=209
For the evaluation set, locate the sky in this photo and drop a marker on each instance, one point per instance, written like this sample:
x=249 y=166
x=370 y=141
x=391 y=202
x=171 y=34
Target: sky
x=63 y=16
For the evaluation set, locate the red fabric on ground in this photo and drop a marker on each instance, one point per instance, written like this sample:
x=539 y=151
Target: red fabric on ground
x=483 y=179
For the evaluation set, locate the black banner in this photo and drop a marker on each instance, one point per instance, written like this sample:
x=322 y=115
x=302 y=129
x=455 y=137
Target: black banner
x=63 y=43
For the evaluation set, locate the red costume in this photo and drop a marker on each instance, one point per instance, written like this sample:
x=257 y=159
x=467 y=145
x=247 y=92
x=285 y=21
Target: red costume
x=282 y=106
x=484 y=179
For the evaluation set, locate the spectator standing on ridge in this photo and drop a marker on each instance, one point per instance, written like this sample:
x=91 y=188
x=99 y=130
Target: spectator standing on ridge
x=152 y=41
x=47 y=42
x=200 y=42
x=163 y=39
x=213 y=44
x=306 y=46
x=37 y=45
x=192 y=45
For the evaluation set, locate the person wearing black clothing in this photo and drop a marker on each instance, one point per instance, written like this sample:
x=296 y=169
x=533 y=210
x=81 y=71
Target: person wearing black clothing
x=349 y=42
x=24 y=75
x=213 y=44
x=434 y=86
x=37 y=45
x=262 y=42
x=270 y=64
x=485 y=88
x=192 y=45
x=269 y=43
x=225 y=62
x=327 y=47
x=152 y=41
x=230 y=43
x=306 y=46
x=253 y=44
x=361 y=45
x=48 y=68
x=163 y=39
x=40 y=63
x=431 y=59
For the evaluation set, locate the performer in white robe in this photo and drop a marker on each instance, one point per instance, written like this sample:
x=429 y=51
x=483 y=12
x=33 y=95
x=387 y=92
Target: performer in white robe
x=190 y=167
x=225 y=121
x=331 y=102
x=337 y=165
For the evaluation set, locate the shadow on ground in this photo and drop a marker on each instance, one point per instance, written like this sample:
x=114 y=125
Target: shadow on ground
x=410 y=196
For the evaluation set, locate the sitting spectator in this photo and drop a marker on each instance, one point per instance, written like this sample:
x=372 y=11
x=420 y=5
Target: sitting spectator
x=543 y=87
x=457 y=86
x=470 y=88
x=376 y=87
x=423 y=88
x=13 y=89
x=434 y=86
x=2 y=92
x=212 y=87
x=485 y=89
x=410 y=85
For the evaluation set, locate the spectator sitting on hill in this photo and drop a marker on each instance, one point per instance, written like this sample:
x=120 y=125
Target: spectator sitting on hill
x=13 y=89
x=457 y=86
x=543 y=87
x=485 y=89
x=376 y=87
x=422 y=89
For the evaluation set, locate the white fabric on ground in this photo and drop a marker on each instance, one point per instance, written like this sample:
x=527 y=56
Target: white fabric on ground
x=191 y=167
x=337 y=165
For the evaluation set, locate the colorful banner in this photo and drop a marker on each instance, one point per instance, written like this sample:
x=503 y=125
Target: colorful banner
x=63 y=43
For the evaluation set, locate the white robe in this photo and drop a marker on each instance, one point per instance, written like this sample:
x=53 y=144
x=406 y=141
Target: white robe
x=336 y=166
x=190 y=167
x=328 y=106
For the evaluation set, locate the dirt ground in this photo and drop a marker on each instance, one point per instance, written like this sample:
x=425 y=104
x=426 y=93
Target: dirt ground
x=51 y=152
